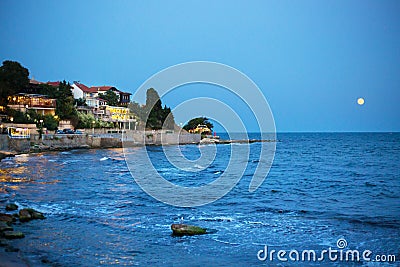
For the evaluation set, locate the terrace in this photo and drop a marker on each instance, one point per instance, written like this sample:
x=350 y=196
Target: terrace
x=40 y=103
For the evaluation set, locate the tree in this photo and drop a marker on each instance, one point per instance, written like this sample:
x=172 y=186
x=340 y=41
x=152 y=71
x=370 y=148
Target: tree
x=65 y=108
x=192 y=124
x=110 y=97
x=13 y=79
x=80 y=102
x=138 y=110
x=50 y=123
x=16 y=115
x=157 y=115
x=85 y=121
x=169 y=120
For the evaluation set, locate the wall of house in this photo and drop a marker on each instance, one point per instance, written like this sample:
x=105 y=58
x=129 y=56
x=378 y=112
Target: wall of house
x=76 y=91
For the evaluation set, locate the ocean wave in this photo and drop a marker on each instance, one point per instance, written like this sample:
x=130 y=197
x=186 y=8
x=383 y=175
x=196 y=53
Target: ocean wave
x=217 y=219
x=226 y=242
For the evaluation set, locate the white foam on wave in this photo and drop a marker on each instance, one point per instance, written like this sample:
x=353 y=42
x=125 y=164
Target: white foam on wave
x=70 y=161
x=197 y=166
x=217 y=218
x=104 y=158
x=21 y=155
x=226 y=242
x=254 y=222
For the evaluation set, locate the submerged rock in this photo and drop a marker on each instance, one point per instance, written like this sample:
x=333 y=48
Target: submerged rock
x=6 y=218
x=30 y=214
x=13 y=234
x=11 y=249
x=11 y=207
x=184 y=229
x=5 y=227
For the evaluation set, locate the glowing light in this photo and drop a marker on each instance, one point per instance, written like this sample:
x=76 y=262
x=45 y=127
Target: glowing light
x=360 y=101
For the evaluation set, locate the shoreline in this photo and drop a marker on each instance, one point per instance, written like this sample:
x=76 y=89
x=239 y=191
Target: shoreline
x=38 y=148
x=12 y=220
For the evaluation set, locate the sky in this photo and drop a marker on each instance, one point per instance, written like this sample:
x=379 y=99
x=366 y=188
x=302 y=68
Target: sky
x=312 y=60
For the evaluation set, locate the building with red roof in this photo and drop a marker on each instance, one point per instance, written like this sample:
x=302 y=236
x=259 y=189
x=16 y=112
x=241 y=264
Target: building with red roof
x=80 y=90
x=54 y=84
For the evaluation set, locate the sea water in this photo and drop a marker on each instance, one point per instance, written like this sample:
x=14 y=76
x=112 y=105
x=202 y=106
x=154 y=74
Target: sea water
x=321 y=188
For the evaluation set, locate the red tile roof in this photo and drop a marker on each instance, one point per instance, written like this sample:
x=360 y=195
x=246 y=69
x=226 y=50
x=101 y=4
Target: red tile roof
x=54 y=84
x=95 y=89
x=85 y=88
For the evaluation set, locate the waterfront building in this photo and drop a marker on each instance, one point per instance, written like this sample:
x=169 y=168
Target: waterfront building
x=120 y=116
x=41 y=104
x=80 y=90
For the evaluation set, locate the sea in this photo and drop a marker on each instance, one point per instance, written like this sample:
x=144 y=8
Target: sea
x=328 y=193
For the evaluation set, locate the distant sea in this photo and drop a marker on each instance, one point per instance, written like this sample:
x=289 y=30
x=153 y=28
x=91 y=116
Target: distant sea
x=322 y=187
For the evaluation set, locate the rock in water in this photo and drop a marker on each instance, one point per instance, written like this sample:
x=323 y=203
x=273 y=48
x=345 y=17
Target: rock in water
x=6 y=218
x=30 y=214
x=24 y=215
x=13 y=234
x=36 y=214
x=5 y=227
x=11 y=207
x=184 y=229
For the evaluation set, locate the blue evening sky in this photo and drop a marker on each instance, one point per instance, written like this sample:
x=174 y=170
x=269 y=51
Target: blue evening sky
x=311 y=59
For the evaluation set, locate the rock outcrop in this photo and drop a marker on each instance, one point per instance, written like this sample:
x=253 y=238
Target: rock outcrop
x=11 y=207
x=26 y=215
x=184 y=229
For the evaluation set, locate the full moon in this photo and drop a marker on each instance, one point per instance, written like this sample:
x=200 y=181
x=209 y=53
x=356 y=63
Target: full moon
x=360 y=101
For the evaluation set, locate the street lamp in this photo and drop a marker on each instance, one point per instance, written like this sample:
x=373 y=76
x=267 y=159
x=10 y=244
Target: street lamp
x=41 y=129
x=93 y=123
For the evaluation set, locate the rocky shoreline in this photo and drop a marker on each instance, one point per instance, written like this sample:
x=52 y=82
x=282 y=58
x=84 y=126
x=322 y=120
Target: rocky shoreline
x=10 y=223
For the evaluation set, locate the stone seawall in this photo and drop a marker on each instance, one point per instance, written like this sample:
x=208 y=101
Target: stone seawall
x=14 y=145
x=73 y=141
x=159 y=138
